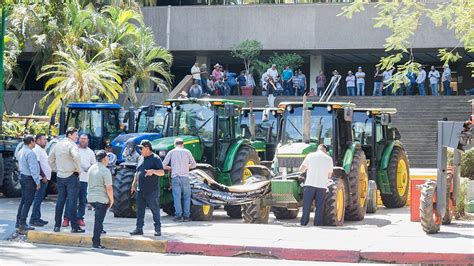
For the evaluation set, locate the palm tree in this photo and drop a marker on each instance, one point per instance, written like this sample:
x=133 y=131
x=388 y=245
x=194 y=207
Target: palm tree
x=75 y=78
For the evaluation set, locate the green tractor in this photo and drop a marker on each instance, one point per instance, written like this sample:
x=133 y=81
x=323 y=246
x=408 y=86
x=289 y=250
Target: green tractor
x=211 y=130
x=387 y=160
x=305 y=125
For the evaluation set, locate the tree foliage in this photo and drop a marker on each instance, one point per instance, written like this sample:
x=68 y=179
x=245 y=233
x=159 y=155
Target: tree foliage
x=248 y=51
x=402 y=18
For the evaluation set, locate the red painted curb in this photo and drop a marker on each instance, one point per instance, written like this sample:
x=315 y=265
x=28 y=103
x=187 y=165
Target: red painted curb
x=419 y=257
x=270 y=252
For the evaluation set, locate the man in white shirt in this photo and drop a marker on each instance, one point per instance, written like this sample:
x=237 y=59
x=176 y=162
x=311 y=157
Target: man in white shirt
x=196 y=72
x=319 y=166
x=387 y=75
x=360 y=76
x=420 y=80
x=446 y=79
x=87 y=160
x=45 y=170
x=434 y=79
x=272 y=72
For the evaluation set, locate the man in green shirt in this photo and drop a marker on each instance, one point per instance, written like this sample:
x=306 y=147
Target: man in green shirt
x=99 y=193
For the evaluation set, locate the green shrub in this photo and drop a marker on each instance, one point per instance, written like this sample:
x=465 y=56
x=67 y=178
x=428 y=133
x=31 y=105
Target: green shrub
x=460 y=209
x=467 y=164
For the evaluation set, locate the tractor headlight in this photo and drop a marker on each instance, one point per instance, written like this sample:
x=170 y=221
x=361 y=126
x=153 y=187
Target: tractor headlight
x=162 y=153
x=329 y=108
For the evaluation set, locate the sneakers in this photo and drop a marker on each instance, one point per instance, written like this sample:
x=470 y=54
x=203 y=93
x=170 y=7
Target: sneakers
x=186 y=219
x=136 y=232
x=157 y=233
x=25 y=227
x=36 y=223
x=78 y=230
x=43 y=221
x=65 y=222
x=97 y=246
x=178 y=219
x=81 y=222
x=57 y=229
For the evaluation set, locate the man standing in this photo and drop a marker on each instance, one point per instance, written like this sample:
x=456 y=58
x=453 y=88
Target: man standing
x=446 y=79
x=204 y=78
x=147 y=183
x=196 y=72
x=195 y=91
x=42 y=157
x=179 y=161
x=272 y=72
x=434 y=79
x=65 y=159
x=420 y=80
x=286 y=76
x=319 y=167
x=387 y=76
x=100 y=193
x=377 y=82
x=112 y=158
x=350 y=83
x=302 y=82
x=334 y=83
x=360 y=76
x=320 y=83
x=30 y=180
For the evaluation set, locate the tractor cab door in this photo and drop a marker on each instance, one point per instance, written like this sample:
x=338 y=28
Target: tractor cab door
x=342 y=136
x=227 y=127
x=380 y=138
x=363 y=129
x=270 y=128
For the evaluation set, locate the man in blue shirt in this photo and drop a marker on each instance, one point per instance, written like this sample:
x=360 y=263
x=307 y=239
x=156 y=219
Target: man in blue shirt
x=30 y=181
x=147 y=183
x=286 y=76
x=232 y=82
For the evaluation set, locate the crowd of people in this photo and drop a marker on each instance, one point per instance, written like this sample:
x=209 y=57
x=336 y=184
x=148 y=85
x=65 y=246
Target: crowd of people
x=85 y=178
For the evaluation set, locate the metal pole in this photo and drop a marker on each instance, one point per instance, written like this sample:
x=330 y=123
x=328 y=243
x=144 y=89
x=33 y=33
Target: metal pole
x=2 y=50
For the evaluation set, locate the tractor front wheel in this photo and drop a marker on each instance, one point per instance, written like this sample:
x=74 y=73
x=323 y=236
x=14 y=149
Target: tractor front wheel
x=201 y=212
x=11 y=178
x=124 y=202
x=246 y=156
x=335 y=202
x=448 y=216
x=256 y=212
x=398 y=178
x=429 y=216
x=358 y=187
x=372 y=197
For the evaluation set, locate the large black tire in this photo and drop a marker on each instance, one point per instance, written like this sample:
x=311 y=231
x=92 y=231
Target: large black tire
x=1 y=170
x=335 y=202
x=372 y=197
x=430 y=220
x=238 y=174
x=284 y=213
x=11 y=187
x=398 y=175
x=202 y=212
x=124 y=201
x=358 y=187
x=448 y=215
x=256 y=212
x=168 y=208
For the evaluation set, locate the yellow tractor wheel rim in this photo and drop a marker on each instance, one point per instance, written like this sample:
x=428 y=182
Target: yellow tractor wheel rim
x=246 y=173
x=206 y=209
x=402 y=178
x=339 y=203
x=363 y=185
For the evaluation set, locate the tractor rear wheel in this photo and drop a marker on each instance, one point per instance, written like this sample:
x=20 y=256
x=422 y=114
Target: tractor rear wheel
x=284 y=213
x=448 y=216
x=358 y=187
x=11 y=187
x=398 y=178
x=334 y=203
x=429 y=216
x=372 y=197
x=256 y=212
x=124 y=201
x=168 y=208
x=246 y=156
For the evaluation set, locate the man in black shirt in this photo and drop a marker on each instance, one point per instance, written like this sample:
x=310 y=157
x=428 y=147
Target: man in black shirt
x=147 y=185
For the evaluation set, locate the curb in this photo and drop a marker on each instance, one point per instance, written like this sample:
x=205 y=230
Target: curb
x=176 y=247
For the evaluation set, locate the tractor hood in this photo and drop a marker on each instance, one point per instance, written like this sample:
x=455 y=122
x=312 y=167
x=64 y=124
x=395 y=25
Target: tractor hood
x=295 y=149
x=166 y=144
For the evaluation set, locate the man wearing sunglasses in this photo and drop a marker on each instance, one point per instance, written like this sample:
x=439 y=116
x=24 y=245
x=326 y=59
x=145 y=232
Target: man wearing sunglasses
x=147 y=185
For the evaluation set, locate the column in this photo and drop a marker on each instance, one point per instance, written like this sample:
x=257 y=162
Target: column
x=316 y=64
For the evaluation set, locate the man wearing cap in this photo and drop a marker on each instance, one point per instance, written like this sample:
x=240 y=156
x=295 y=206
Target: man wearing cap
x=100 y=193
x=360 y=76
x=319 y=167
x=179 y=160
x=147 y=185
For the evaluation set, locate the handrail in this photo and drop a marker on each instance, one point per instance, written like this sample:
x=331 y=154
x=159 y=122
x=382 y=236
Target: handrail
x=183 y=85
x=330 y=89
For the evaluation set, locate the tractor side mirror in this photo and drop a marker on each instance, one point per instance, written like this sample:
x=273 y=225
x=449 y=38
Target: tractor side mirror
x=265 y=115
x=150 y=112
x=246 y=131
x=385 y=119
x=348 y=114
x=229 y=109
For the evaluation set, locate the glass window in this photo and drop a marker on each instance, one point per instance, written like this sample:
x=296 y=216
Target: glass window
x=87 y=121
x=362 y=128
x=194 y=119
x=154 y=124
x=321 y=125
x=262 y=127
x=111 y=122
x=378 y=132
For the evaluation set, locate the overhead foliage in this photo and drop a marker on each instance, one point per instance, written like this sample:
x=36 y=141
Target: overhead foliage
x=402 y=19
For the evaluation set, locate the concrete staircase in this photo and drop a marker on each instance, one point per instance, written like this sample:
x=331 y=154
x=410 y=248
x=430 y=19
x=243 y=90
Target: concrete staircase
x=416 y=119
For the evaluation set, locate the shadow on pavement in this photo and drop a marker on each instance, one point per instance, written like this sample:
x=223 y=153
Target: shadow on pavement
x=450 y=235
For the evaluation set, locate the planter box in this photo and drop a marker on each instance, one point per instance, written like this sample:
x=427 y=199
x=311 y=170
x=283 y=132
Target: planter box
x=247 y=91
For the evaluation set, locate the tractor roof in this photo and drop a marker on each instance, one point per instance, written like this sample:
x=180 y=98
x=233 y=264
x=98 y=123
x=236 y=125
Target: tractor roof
x=212 y=101
x=377 y=111
x=258 y=109
x=92 y=105
x=334 y=105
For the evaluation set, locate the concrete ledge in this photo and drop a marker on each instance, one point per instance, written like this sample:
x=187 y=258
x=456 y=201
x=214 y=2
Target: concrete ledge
x=77 y=240
x=418 y=258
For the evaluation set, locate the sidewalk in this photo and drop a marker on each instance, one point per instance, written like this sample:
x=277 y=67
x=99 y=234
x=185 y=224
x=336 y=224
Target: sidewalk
x=387 y=236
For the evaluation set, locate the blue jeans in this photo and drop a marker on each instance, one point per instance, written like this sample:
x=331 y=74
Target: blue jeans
x=28 y=191
x=434 y=89
x=311 y=194
x=279 y=93
x=100 y=210
x=377 y=89
x=181 y=195
x=388 y=91
x=39 y=196
x=446 y=88
x=68 y=189
x=204 y=86
x=288 y=88
x=421 y=89
x=151 y=200
x=350 y=91
x=360 y=89
x=82 y=202
x=410 y=89
x=320 y=91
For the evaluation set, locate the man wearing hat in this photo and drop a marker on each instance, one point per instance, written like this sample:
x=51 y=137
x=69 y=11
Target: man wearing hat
x=147 y=185
x=360 y=76
x=319 y=167
x=100 y=193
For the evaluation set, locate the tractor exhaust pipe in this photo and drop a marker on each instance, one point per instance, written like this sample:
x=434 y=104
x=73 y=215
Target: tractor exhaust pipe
x=252 y=121
x=306 y=121
x=62 y=119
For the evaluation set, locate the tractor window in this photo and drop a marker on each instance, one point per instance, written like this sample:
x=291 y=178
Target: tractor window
x=87 y=121
x=194 y=119
x=111 y=122
x=378 y=132
x=155 y=124
x=321 y=125
x=362 y=128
